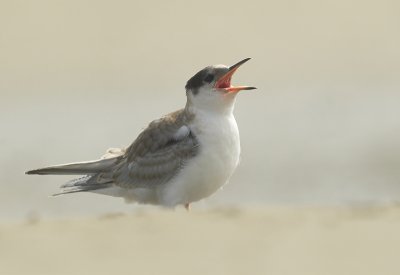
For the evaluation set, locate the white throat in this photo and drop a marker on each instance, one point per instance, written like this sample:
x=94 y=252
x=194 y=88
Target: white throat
x=210 y=101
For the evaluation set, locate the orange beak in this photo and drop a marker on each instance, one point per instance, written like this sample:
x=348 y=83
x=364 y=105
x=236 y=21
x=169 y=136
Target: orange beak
x=224 y=82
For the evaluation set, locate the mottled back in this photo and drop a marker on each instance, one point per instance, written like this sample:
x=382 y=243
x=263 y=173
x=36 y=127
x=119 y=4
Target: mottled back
x=158 y=154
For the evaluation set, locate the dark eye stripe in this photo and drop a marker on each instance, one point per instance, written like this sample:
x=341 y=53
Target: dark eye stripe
x=209 y=78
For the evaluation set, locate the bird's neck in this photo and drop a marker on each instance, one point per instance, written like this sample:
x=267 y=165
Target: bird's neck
x=218 y=107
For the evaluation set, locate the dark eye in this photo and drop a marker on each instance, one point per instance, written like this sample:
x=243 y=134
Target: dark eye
x=209 y=78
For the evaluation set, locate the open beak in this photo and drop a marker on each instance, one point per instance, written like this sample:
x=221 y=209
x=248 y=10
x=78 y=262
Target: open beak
x=224 y=82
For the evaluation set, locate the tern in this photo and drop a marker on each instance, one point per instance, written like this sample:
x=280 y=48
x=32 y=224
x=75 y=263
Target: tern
x=181 y=158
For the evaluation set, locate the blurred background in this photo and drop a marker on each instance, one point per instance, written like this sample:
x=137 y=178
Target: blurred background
x=323 y=128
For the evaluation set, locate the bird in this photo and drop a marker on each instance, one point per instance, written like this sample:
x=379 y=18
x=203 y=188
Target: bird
x=180 y=158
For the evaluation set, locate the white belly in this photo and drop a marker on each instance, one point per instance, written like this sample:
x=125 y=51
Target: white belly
x=208 y=171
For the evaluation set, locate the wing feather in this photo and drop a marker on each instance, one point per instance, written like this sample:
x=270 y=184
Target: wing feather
x=158 y=154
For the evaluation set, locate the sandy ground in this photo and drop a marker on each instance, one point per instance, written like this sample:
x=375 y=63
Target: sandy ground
x=220 y=241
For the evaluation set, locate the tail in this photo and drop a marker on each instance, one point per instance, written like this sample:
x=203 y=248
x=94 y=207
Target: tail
x=95 y=175
x=97 y=172
x=84 y=184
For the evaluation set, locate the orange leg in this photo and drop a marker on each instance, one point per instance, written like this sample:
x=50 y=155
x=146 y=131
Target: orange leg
x=187 y=206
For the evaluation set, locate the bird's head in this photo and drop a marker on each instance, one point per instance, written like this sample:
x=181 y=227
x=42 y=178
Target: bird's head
x=211 y=87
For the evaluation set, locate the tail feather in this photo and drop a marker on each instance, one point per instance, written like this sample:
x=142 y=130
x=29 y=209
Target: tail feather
x=83 y=184
x=98 y=173
x=83 y=188
x=78 y=181
x=79 y=168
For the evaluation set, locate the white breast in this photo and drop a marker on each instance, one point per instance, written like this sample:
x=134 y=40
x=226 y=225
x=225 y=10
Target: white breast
x=218 y=157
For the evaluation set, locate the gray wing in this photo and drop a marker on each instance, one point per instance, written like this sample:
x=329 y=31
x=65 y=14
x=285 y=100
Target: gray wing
x=158 y=154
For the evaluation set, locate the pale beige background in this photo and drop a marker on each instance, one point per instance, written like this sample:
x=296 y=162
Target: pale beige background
x=323 y=129
x=77 y=77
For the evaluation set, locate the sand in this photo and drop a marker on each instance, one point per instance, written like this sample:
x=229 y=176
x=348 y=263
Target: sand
x=270 y=240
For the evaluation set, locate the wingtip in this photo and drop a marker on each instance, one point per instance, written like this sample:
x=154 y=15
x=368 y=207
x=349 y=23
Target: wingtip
x=34 y=172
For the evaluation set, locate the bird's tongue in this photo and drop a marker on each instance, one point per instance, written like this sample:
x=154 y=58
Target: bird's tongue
x=224 y=82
